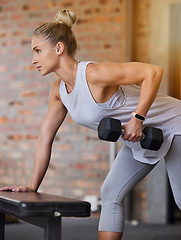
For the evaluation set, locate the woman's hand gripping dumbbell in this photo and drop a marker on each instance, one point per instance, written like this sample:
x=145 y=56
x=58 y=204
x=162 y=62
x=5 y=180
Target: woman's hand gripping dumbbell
x=110 y=129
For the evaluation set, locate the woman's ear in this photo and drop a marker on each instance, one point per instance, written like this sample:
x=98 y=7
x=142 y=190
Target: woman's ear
x=59 y=48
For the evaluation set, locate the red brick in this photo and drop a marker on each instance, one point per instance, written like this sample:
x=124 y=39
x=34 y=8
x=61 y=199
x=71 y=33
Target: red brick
x=11 y=8
x=104 y=1
x=102 y=19
x=67 y=4
x=17 y=51
x=3 y=18
x=3 y=120
x=44 y=93
x=83 y=21
x=9 y=42
x=26 y=42
x=16 y=103
x=35 y=15
x=84 y=184
x=28 y=94
x=27 y=25
x=119 y=19
x=30 y=7
x=66 y=147
x=107 y=45
x=83 y=2
x=17 y=33
x=31 y=137
x=3 y=2
x=3 y=34
x=31 y=67
x=15 y=137
x=17 y=17
x=3 y=68
x=25 y=112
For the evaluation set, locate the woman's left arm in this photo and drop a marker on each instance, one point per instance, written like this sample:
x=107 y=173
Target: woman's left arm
x=115 y=74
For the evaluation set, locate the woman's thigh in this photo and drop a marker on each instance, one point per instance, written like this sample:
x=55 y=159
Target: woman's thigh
x=125 y=173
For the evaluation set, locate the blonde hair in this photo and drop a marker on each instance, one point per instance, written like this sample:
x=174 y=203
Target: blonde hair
x=60 y=31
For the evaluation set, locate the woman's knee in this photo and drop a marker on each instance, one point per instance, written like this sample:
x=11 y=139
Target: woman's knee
x=106 y=192
x=111 y=195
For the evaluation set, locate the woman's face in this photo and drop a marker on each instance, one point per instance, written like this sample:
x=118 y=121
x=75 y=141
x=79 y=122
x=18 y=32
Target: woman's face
x=45 y=57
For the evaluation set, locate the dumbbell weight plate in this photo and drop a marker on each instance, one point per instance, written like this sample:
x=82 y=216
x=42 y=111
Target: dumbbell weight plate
x=153 y=138
x=104 y=127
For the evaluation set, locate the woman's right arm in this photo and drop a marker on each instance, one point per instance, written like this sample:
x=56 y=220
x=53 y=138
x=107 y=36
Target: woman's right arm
x=50 y=125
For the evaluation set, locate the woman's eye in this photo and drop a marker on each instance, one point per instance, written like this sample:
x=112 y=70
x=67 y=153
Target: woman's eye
x=37 y=50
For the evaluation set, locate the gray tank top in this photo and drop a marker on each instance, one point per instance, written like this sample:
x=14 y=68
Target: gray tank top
x=115 y=101
x=165 y=112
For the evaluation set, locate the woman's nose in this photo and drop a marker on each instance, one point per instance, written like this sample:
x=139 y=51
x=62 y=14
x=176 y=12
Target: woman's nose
x=34 y=61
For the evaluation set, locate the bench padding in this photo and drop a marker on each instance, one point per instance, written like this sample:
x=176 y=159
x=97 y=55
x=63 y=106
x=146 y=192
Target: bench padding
x=24 y=204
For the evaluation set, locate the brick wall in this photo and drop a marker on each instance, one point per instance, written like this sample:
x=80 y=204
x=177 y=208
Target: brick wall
x=79 y=160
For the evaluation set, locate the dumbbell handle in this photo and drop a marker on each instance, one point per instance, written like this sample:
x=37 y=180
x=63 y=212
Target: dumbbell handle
x=123 y=133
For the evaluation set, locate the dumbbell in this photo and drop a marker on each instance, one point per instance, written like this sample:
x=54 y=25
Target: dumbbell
x=110 y=129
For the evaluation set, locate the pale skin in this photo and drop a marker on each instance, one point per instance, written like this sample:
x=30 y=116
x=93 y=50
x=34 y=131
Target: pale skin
x=103 y=80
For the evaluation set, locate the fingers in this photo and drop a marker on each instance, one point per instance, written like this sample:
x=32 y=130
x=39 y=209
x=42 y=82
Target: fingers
x=18 y=189
x=15 y=188
x=130 y=137
x=7 y=188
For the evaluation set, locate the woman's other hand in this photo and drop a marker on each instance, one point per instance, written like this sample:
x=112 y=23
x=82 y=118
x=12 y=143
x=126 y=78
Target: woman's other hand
x=18 y=188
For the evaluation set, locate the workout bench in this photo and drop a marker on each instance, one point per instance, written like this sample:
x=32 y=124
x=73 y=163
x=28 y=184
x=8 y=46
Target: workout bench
x=40 y=209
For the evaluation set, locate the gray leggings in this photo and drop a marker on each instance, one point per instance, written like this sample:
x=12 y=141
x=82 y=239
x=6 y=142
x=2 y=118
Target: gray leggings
x=125 y=173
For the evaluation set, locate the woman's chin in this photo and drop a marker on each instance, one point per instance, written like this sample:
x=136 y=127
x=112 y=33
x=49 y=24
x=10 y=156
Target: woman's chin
x=43 y=73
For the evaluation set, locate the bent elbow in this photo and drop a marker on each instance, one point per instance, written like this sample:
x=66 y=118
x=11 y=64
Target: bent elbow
x=159 y=72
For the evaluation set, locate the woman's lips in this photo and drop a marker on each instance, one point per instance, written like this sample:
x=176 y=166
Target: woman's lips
x=39 y=68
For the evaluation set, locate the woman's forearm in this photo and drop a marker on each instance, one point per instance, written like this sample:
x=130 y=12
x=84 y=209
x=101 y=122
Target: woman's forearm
x=41 y=162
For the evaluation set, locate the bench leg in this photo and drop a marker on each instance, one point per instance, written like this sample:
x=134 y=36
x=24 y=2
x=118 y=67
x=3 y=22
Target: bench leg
x=53 y=228
x=2 y=225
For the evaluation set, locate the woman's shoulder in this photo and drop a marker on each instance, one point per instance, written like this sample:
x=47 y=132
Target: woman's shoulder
x=104 y=73
x=93 y=71
x=55 y=88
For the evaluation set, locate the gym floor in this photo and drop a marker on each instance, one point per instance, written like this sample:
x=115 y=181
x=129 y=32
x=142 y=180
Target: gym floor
x=86 y=228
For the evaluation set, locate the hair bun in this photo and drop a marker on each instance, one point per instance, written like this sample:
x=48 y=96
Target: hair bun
x=66 y=17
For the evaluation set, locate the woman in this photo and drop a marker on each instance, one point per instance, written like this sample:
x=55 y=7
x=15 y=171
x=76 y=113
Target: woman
x=90 y=91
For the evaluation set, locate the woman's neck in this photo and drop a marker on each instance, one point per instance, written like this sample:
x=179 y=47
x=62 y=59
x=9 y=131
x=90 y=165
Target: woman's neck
x=67 y=72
